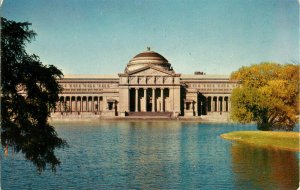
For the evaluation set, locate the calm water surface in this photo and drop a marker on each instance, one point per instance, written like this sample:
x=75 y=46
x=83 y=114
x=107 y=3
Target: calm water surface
x=155 y=155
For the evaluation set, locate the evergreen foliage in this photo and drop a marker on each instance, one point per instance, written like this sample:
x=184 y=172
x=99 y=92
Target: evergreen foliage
x=29 y=91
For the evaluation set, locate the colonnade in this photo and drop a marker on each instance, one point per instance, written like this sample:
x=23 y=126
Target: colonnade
x=141 y=100
x=218 y=103
x=207 y=104
x=79 y=104
x=148 y=99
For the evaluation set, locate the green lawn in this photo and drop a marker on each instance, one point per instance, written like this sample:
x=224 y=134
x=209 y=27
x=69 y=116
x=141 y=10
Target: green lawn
x=281 y=140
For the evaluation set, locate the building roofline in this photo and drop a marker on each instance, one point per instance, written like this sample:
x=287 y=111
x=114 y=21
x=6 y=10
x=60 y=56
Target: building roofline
x=191 y=76
x=91 y=77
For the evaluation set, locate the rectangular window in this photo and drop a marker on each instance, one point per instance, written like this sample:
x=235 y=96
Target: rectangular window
x=110 y=105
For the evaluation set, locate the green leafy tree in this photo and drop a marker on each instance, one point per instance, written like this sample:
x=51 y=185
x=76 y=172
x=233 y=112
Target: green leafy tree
x=268 y=94
x=29 y=91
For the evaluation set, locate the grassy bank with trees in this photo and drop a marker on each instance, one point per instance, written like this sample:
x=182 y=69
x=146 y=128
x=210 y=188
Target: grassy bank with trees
x=271 y=139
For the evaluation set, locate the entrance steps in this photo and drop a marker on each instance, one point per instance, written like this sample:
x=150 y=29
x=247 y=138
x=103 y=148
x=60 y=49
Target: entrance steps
x=149 y=114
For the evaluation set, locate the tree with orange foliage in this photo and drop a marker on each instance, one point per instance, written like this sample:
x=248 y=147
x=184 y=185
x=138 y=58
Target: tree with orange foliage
x=268 y=94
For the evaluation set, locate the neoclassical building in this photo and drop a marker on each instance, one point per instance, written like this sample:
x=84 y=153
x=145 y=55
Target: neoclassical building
x=149 y=86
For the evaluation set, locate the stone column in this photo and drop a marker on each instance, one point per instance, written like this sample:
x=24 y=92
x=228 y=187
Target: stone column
x=81 y=104
x=153 y=99
x=75 y=103
x=136 y=99
x=87 y=104
x=70 y=103
x=162 y=99
x=218 y=104
x=212 y=105
x=63 y=103
x=98 y=104
x=145 y=99
x=92 y=104
x=95 y=103
x=67 y=104
x=224 y=105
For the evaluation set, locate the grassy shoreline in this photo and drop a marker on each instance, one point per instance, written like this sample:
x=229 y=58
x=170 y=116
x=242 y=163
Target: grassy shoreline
x=271 y=139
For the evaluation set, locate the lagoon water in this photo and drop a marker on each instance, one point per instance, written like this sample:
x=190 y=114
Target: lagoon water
x=155 y=155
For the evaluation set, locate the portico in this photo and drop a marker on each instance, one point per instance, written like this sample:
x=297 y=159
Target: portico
x=149 y=84
x=149 y=99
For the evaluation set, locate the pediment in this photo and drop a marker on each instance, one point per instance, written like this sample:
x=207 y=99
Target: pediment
x=150 y=71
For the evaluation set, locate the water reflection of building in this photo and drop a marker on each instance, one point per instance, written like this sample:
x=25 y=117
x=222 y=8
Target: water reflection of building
x=148 y=86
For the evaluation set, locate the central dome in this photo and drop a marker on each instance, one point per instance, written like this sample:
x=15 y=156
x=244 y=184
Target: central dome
x=150 y=55
x=148 y=58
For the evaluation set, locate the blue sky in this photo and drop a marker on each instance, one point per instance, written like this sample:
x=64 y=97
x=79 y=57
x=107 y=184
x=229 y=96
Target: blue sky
x=214 y=36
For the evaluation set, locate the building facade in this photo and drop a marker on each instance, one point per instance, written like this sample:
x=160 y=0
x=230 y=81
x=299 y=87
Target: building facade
x=149 y=86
